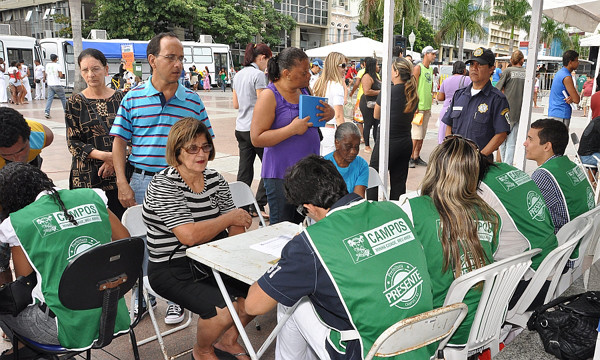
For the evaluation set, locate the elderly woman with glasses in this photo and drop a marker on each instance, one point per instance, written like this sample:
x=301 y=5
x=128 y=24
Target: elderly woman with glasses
x=188 y=204
x=457 y=228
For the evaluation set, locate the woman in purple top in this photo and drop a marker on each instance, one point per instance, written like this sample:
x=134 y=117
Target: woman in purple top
x=276 y=127
x=458 y=80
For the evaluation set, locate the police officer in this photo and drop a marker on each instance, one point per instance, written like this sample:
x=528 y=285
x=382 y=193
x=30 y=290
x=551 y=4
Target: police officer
x=479 y=111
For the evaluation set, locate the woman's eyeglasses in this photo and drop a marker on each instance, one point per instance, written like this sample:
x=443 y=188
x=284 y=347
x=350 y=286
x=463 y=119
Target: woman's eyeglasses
x=194 y=149
x=342 y=65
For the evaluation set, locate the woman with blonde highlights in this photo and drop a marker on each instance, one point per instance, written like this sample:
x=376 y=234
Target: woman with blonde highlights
x=331 y=85
x=403 y=104
x=457 y=229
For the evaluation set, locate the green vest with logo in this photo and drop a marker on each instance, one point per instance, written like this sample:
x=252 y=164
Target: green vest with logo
x=523 y=202
x=51 y=241
x=426 y=222
x=378 y=268
x=425 y=87
x=574 y=187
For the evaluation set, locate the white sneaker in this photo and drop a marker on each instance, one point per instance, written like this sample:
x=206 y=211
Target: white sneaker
x=174 y=314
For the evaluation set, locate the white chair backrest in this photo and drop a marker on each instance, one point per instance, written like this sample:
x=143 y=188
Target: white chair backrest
x=418 y=331
x=132 y=220
x=375 y=180
x=242 y=196
x=500 y=280
x=551 y=267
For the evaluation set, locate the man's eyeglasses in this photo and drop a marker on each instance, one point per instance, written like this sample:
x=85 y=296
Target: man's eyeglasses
x=172 y=58
x=194 y=149
x=301 y=210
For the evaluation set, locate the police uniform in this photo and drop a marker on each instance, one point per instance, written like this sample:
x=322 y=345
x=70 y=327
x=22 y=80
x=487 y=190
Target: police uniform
x=482 y=116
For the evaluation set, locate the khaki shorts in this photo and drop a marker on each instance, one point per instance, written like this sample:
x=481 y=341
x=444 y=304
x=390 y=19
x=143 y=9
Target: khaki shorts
x=418 y=131
x=585 y=101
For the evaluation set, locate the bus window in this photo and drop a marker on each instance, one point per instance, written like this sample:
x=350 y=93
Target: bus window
x=69 y=53
x=2 y=50
x=187 y=54
x=202 y=55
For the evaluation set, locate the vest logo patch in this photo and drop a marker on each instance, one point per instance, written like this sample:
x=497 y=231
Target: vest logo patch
x=536 y=206
x=485 y=231
x=55 y=222
x=591 y=203
x=576 y=175
x=379 y=240
x=513 y=179
x=80 y=245
x=403 y=285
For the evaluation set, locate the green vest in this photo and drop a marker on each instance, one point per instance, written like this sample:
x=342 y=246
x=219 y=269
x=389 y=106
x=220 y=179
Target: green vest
x=523 y=202
x=378 y=268
x=574 y=187
x=426 y=222
x=425 y=87
x=51 y=241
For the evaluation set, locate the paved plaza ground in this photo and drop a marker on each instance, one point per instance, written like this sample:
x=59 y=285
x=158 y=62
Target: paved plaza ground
x=57 y=162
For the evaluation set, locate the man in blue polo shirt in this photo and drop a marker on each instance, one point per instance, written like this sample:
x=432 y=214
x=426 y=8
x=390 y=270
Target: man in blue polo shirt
x=479 y=111
x=145 y=118
x=563 y=92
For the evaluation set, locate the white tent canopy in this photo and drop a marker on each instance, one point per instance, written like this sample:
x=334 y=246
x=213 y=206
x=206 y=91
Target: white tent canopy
x=357 y=48
x=583 y=14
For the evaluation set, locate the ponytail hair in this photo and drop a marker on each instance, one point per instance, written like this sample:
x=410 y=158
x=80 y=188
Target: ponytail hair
x=404 y=69
x=253 y=50
x=286 y=59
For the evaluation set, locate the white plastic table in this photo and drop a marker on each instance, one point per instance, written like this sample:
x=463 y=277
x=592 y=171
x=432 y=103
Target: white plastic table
x=234 y=257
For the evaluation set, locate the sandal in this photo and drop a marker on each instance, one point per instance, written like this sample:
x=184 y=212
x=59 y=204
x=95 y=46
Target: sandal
x=222 y=354
x=253 y=213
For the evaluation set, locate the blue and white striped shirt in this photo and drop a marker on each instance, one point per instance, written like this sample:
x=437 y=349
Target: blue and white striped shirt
x=145 y=118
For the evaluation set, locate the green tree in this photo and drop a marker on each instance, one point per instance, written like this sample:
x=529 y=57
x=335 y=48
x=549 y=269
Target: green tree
x=424 y=34
x=458 y=18
x=371 y=16
x=511 y=16
x=226 y=20
x=551 y=30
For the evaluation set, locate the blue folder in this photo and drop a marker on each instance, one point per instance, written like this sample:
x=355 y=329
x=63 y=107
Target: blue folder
x=308 y=107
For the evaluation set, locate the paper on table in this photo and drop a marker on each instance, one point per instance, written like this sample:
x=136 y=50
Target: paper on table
x=272 y=246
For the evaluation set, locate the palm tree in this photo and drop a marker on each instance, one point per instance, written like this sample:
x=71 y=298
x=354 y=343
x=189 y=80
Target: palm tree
x=458 y=18
x=511 y=16
x=75 y=11
x=371 y=12
x=551 y=30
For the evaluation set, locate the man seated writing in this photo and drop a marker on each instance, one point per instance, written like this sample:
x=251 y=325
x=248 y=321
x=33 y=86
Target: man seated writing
x=337 y=263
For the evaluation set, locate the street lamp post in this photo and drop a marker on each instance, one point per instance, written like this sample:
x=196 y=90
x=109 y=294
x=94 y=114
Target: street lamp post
x=411 y=40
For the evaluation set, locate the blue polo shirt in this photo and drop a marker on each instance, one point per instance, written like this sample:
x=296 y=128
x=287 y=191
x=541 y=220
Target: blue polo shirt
x=557 y=106
x=356 y=173
x=478 y=117
x=145 y=118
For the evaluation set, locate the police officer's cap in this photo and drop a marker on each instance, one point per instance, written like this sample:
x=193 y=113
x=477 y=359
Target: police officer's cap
x=483 y=56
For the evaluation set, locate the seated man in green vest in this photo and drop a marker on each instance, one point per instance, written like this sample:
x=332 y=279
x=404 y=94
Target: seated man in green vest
x=526 y=222
x=41 y=222
x=564 y=186
x=357 y=250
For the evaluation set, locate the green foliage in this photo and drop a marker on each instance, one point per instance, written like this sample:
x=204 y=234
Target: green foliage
x=511 y=16
x=371 y=16
x=458 y=17
x=424 y=34
x=584 y=51
x=228 y=21
x=66 y=31
x=551 y=30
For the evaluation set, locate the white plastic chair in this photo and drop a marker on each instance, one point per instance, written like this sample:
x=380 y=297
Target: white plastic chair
x=420 y=330
x=550 y=268
x=375 y=180
x=132 y=220
x=592 y=250
x=500 y=280
x=587 y=168
x=242 y=196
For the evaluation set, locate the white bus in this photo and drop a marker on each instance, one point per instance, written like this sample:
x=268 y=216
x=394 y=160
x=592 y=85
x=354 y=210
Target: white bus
x=213 y=56
x=16 y=48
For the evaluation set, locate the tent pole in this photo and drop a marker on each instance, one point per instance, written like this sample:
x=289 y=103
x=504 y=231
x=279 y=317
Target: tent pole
x=384 y=127
x=532 y=55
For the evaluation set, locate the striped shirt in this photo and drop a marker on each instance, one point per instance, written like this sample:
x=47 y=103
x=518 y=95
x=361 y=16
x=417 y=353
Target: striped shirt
x=552 y=196
x=169 y=203
x=145 y=118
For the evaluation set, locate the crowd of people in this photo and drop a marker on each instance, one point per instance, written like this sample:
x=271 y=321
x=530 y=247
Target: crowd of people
x=151 y=146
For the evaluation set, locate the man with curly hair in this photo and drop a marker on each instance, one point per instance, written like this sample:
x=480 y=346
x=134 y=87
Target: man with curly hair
x=22 y=140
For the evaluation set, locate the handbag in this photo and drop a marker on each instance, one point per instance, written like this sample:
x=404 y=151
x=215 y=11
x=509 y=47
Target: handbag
x=418 y=119
x=16 y=295
x=568 y=325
